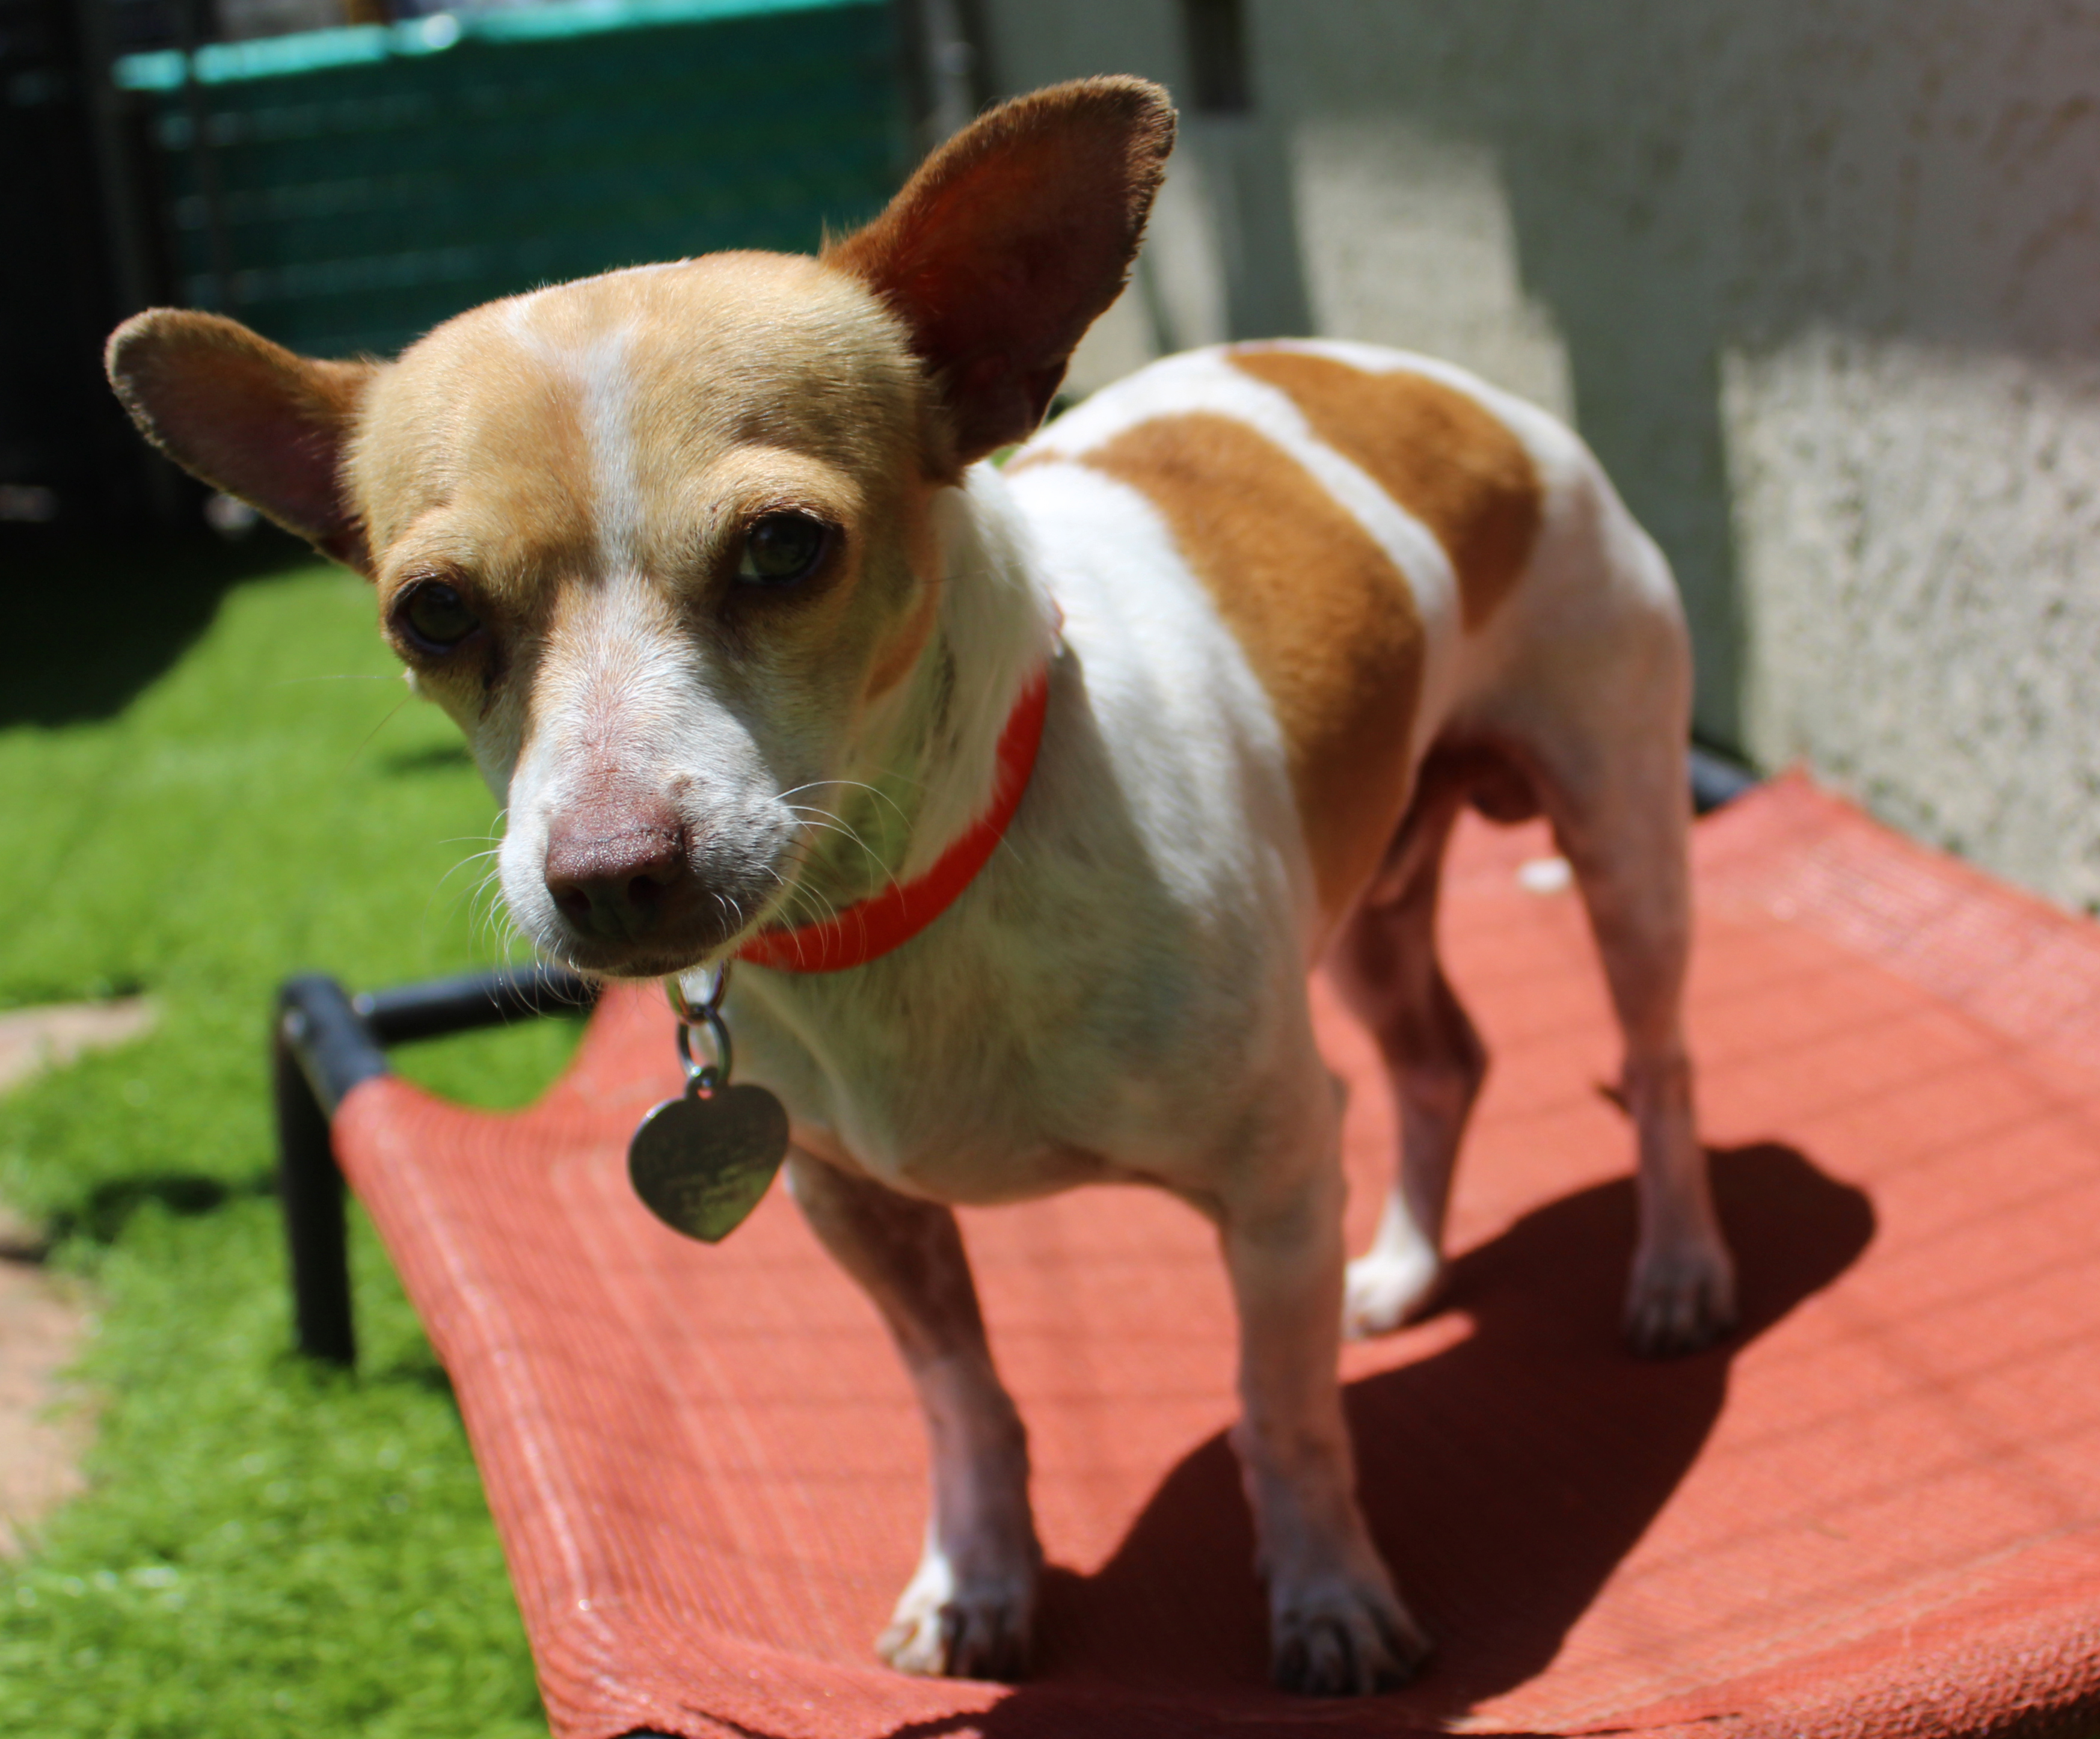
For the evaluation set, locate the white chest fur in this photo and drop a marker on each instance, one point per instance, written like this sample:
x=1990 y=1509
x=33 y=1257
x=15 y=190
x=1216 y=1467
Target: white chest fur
x=1136 y=947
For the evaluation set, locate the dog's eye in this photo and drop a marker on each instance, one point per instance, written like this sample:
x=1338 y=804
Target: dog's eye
x=435 y=617
x=782 y=549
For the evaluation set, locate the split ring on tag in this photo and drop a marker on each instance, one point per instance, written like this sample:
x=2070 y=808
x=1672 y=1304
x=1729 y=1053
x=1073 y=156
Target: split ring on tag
x=702 y=1162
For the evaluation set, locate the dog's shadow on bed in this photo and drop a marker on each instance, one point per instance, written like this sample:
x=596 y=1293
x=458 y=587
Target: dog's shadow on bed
x=1505 y=1476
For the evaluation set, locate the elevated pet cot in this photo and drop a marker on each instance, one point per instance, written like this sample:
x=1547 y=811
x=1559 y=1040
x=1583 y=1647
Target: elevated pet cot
x=1876 y=1510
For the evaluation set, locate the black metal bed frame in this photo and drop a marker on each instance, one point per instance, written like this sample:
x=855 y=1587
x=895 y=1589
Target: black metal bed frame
x=324 y=1041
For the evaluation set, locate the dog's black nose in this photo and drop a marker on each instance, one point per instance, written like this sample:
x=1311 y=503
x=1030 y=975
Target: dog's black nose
x=614 y=877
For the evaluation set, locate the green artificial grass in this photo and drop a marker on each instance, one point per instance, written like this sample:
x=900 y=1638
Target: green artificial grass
x=267 y=1547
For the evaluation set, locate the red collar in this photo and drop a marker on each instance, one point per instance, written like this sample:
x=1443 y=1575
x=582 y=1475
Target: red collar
x=869 y=928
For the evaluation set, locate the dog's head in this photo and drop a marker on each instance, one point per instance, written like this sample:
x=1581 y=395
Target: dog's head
x=664 y=542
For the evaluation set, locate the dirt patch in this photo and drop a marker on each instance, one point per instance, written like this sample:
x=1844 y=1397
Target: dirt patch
x=35 y=1039
x=44 y=1421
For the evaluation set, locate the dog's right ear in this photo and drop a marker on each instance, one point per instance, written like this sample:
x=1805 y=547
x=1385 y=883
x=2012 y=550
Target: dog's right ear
x=248 y=416
x=1011 y=239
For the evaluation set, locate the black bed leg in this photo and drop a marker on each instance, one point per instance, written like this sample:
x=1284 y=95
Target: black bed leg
x=324 y=1045
x=310 y=1186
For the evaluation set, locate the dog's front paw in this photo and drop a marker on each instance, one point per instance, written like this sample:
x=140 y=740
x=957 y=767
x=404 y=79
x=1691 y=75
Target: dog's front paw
x=952 y=1626
x=1344 y=1640
x=1386 y=1288
x=1682 y=1298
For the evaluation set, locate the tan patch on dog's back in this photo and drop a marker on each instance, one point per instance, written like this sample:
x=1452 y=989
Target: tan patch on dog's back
x=1444 y=457
x=1327 y=621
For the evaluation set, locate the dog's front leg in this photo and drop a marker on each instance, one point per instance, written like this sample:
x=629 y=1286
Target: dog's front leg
x=1336 y=1626
x=966 y=1612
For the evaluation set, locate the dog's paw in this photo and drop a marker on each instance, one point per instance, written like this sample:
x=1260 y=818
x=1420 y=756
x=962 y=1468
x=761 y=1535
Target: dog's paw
x=1386 y=1288
x=1344 y=1641
x=955 y=1627
x=1682 y=1298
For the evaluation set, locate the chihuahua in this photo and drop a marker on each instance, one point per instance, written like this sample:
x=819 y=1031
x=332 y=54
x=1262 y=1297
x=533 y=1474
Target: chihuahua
x=1068 y=771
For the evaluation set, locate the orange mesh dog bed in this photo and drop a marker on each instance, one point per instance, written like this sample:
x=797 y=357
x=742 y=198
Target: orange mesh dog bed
x=1875 y=1511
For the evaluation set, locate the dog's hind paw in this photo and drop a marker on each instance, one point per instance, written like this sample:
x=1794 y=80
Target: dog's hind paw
x=944 y=1628
x=1386 y=1288
x=1682 y=1298
x=1344 y=1642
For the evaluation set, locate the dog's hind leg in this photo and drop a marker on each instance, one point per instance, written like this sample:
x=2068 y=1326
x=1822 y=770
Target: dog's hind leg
x=1621 y=809
x=967 y=1610
x=1385 y=966
x=1604 y=719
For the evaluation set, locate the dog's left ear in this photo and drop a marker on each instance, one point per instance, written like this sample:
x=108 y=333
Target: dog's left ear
x=248 y=416
x=1010 y=241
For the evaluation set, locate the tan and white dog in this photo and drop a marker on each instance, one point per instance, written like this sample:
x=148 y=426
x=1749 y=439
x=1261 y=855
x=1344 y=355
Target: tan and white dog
x=705 y=562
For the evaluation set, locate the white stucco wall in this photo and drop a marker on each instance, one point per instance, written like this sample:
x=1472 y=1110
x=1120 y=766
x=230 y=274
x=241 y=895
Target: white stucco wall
x=1819 y=279
x=1918 y=529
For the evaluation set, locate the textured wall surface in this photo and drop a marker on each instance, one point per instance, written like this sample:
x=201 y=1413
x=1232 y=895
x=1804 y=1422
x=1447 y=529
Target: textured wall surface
x=1918 y=529
x=1820 y=281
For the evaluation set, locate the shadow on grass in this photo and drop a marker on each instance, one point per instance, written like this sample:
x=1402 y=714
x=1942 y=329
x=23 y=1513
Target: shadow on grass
x=423 y=1376
x=414 y=1370
x=94 y=621
x=109 y=1207
x=432 y=757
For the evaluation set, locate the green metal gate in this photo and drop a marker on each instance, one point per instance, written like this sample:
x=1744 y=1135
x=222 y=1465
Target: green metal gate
x=346 y=190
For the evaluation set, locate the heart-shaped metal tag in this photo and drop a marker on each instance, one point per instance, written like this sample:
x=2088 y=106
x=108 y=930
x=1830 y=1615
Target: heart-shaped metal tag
x=703 y=1162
